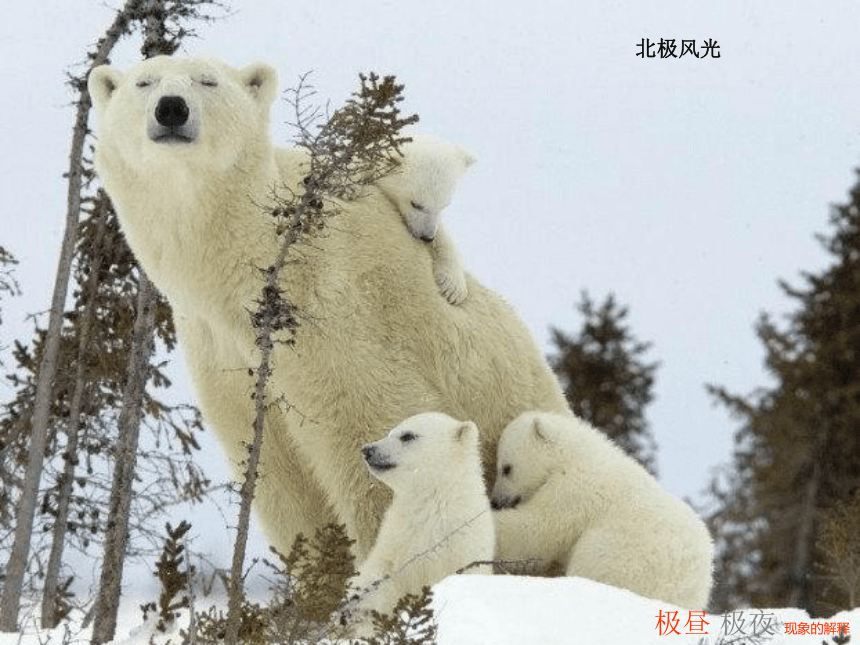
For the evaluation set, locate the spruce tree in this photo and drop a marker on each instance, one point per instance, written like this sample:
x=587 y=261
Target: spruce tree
x=58 y=431
x=605 y=376
x=797 y=455
x=8 y=283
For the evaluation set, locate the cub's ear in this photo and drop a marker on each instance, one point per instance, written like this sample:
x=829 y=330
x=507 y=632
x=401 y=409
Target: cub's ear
x=540 y=432
x=102 y=83
x=466 y=159
x=464 y=430
x=261 y=81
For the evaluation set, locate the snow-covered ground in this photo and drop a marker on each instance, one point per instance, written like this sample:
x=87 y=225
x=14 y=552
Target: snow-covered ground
x=510 y=610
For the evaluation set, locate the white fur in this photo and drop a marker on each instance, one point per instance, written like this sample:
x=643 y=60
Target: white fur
x=376 y=343
x=439 y=520
x=421 y=188
x=572 y=498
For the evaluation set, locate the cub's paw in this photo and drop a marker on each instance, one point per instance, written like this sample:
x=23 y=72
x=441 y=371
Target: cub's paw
x=452 y=285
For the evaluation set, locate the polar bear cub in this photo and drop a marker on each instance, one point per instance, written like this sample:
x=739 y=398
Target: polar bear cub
x=570 y=497
x=421 y=188
x=439 y=520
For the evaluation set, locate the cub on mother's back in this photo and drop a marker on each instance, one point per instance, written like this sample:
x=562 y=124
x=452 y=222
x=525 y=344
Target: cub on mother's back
x=422 y=187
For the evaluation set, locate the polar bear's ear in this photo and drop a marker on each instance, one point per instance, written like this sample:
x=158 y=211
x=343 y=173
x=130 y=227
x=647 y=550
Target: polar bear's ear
x=466 y=159
x=465 y=429
x=261 y=81
x=539 y=432
x=102 y=83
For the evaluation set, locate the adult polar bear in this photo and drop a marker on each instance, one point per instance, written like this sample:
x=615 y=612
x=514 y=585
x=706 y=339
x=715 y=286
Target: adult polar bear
x=184 y=152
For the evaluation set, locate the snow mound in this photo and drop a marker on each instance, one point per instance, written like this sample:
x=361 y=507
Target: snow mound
x=513 y=610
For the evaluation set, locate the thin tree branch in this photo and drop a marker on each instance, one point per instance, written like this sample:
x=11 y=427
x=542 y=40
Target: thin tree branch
x=11 y=601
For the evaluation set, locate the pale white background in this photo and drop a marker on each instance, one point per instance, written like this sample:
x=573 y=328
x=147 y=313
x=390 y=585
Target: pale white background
x=687 y=187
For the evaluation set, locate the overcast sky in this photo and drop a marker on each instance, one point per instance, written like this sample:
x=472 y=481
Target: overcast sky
x=685 y=186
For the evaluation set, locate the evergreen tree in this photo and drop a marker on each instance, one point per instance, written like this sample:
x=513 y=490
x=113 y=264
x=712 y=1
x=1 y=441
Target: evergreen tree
x=605 y=377
x=58 y=434
x=797 y=455
x=8 y=283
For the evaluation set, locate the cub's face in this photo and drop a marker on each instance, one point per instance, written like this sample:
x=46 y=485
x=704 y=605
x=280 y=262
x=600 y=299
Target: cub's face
x=421 y=450
x=526 y=459
x=423 y=205
x=174 y=109
x=424 y=184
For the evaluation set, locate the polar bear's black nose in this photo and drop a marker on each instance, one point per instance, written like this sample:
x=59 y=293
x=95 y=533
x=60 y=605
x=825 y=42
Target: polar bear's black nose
x=498 y=503
x=171 y=111
x=367 y=451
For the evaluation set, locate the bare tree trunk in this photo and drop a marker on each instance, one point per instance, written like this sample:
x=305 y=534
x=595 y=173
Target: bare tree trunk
x=58 y=538
x=110 y=584
x=799 y=593
x=341 y=160
x=17 y=565
x=235 y=594
x=270 y=309
x=116 y=539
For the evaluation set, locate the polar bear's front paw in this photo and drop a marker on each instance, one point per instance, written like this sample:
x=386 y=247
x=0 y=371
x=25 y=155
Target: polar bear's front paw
x=452 y=284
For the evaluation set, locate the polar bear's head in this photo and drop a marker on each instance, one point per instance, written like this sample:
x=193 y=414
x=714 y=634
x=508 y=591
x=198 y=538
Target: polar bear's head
x=423 y=185
x=170 y=112
x=423 y=450
x=528 y=454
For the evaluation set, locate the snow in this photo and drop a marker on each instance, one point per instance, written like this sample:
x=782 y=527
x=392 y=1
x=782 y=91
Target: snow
x=512 y=610
x=502 y=610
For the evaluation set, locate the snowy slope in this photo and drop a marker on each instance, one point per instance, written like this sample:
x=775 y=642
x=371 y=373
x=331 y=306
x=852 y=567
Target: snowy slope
x=510 y=610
